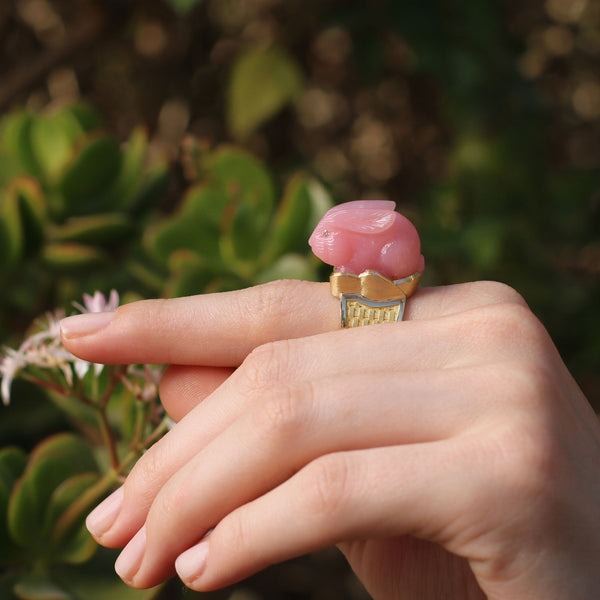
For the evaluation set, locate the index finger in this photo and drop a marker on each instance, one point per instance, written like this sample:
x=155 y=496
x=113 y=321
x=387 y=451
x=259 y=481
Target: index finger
x=222 y=329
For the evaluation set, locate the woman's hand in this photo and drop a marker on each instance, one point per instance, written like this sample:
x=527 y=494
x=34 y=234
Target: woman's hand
x=449 y=456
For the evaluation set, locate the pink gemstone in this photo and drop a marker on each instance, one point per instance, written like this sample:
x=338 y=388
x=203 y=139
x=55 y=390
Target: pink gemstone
x=368 y=235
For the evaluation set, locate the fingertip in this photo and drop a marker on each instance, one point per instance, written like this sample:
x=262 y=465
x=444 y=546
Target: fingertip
x=191 y=564
x=102 y=518
x=183 y=387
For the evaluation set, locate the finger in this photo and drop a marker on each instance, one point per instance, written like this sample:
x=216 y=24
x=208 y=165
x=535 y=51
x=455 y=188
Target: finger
x=338 y=497
x=455 y=340
x=222 y=329
x=413 y=346
x=183 y=387
x=293 y=426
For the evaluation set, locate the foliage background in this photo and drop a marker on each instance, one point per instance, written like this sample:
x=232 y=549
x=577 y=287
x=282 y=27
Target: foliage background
x=481 y=119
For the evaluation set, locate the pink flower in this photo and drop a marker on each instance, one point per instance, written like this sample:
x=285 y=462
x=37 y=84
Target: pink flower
x=98 y=302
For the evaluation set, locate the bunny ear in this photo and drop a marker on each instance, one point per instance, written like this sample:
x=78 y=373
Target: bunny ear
x=358 y=219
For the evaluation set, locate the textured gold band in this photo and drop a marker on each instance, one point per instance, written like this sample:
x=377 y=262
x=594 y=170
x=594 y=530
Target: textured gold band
x=371 y=298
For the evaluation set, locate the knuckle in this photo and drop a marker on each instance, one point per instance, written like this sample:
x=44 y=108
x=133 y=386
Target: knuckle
x=266 y=301
x=284 y=413
x=530 y=460
x=233 y=531
x=266 y=366
x=328 y=488
x=274 y=303
x=509 y=322
x=150 y=469
x=533 y=385
x=497 y=292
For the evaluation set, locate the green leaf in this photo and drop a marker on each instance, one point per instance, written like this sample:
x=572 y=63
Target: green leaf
x=290 y=266
x=86 y=183
x=51 y=462
x=12 y=465
x=263 y=80
x=292 y=219
x=9 y=167
x=194 y=227
x=192 y=274
x=84 y=115
x=245 y=237
x=68 y=256
x=93 y=229
x=11 y=230
x=151 y=190
x=127 y=186
x=53 y=137
x=75 y=545
x=40 y=587
x=244 y=179
x=32 y=208
x=96 y=580
x=16 y=137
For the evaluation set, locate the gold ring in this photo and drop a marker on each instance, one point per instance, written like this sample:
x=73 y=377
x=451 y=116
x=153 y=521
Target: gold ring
x=371 y=298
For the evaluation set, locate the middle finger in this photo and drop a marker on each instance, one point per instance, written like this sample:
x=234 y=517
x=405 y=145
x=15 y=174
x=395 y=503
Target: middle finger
x=287 y=428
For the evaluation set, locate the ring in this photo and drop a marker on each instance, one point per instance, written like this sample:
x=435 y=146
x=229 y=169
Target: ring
x=370 y=298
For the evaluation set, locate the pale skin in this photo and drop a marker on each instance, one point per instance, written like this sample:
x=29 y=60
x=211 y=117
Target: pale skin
x=450 y=456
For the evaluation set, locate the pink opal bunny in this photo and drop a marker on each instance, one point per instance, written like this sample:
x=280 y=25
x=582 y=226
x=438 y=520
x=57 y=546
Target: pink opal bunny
x=368 y=235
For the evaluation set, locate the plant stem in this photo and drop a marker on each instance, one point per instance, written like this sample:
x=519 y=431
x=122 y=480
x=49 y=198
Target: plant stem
x=54 y=387
x=141 y=413
x=109 y=438
x=91 y=496
x=115 y=378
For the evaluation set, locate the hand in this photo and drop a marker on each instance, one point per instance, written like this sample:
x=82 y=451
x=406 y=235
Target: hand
x=449 y=456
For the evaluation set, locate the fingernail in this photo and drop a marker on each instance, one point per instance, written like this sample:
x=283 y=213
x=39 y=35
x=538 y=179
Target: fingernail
x=129 y=561
x=104 y=515
x=85 y=324
x=191 y=564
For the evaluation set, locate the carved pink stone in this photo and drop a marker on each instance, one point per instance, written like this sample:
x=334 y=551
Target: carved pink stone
x=368 y=235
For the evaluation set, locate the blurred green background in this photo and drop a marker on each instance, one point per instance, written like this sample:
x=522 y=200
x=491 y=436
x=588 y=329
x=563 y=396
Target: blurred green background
x=167 y=147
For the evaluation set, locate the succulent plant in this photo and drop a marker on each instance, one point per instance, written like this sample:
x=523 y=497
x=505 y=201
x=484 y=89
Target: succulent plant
x=69 y=194
x=232 y=229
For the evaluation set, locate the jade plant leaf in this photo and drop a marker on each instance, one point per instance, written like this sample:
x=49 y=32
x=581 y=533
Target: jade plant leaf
x=11 y=230
x=304 y=202
x=73 y=544
x=96 y=580
x=291 y=221
x=93 y=229
x=130 y=178
x=12 y=465
x=195 y=227
x=51 y=462
x=16 y=137
x=290 y=266
x=263 y=81
x=32 y=209
x=86 y=182
x=9 y=167
x=82 y=118
x=69 y=256
x=40 y=587
x=250 y=198
x=244 y=178
x=193 y=274
x=52 y=137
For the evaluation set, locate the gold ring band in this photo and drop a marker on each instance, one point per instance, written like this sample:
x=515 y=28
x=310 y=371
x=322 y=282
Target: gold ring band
x=371 y=298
